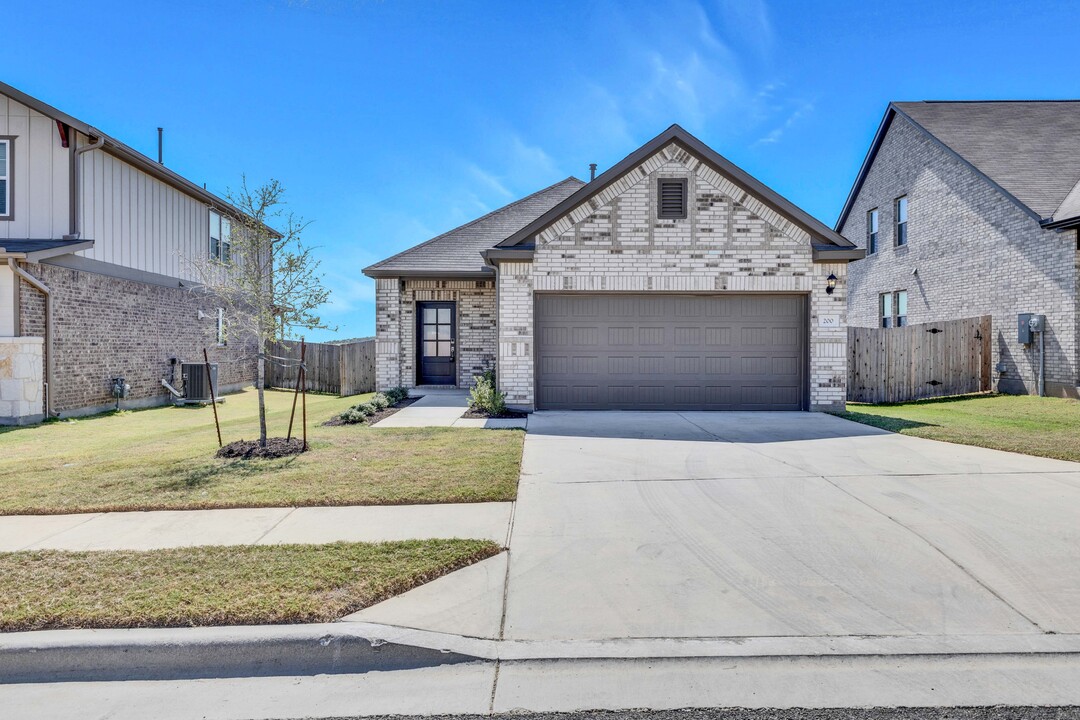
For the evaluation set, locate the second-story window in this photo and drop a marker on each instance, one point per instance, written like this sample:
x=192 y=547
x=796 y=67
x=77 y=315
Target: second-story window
x=5 y=179
x=871 y=231
x=220 y=237
x=901 y=221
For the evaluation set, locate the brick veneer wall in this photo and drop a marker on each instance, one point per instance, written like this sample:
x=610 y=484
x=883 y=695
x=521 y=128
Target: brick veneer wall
x=730 y=242
x=105 y=327
x=976 y=253
x=395 y=329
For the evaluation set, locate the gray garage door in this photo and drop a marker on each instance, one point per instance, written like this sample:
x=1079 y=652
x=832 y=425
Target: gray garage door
x=671 y=352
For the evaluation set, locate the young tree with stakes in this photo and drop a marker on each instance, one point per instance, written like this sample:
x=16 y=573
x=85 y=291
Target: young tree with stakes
x=267 y=281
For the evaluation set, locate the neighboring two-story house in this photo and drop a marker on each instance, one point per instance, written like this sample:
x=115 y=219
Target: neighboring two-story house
x=969 y=209
x=96 y=246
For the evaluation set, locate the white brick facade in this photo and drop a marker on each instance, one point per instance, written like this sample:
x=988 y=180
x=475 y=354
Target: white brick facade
x=976 y=253
x=729 y=242
x=21 y=390
x=395 y=328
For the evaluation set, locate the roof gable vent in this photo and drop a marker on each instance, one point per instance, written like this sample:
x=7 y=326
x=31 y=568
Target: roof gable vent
x=671 y=199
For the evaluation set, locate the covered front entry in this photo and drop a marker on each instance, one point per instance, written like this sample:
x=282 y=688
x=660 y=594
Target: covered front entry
x=436 y=351
x=671 y=352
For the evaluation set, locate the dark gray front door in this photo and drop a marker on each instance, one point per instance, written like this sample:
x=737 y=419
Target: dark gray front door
x=671 y=352
x=436 y=340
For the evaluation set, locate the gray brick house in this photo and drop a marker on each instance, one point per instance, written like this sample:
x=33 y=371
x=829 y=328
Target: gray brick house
x=672 y=281
x=96 y=241
x=968 y=209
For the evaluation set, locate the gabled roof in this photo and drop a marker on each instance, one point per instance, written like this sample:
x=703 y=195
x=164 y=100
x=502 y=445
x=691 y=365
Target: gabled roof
x=120 y=150
x=1028 y=149
x=457 y=252
x=824 y=238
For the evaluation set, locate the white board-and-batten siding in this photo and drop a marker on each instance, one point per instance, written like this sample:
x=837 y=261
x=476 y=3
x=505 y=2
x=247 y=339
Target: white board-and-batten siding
x=138 y=221
x=135 y=220
x=40 y=175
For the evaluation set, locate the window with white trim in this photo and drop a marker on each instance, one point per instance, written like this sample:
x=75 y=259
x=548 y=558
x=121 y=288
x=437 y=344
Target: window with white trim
x=222 y=338
x=901 y=221
x=885 y=310
x=220 y=237
x=871 y=231
x=892 y=309
x=5 y=178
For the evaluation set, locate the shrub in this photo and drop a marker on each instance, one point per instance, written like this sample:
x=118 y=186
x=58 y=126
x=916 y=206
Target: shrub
x=352 y=416
x=366 y=408
x=484 y=397
x=379 y=401
x=396 y=395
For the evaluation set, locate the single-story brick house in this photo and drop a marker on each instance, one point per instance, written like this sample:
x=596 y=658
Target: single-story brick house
x=96 y=283
x=968 y=209
x=674 y=280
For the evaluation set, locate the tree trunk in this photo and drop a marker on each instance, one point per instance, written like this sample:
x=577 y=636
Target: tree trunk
x=260 y=385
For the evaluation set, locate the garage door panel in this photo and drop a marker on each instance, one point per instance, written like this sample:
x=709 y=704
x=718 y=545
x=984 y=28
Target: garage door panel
x=654 y=352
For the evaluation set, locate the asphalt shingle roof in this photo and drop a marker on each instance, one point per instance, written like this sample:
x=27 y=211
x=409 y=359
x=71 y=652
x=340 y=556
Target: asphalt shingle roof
x=1029 y=148
x=458 y=251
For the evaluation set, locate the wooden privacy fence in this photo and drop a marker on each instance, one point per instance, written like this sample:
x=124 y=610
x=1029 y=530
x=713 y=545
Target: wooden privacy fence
x=919 y=361
x=347 y=369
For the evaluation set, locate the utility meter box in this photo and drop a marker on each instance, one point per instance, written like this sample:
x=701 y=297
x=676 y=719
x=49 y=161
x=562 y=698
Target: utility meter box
x=1037 y=323
x=1023 y=328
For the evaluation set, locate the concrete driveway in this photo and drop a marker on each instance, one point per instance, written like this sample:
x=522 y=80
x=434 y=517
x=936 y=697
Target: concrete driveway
x=740 y=525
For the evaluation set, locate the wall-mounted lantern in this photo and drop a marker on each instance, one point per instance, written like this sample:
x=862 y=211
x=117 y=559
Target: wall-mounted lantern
x=830 y=284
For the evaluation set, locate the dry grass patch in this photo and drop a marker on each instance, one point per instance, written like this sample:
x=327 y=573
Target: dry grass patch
x=163 y=458
x=1047 y=427
x=243 y=585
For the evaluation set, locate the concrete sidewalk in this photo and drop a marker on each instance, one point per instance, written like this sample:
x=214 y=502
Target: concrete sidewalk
x=254 y=526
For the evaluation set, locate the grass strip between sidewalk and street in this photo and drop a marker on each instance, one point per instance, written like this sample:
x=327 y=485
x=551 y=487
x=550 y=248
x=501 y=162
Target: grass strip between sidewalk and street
x=1042 y=426
x=235 y=585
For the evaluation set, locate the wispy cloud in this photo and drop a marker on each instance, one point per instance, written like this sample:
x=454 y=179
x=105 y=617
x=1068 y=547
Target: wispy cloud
x=774 y=135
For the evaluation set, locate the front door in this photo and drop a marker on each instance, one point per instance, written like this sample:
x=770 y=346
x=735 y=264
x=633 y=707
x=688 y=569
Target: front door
x=436 y=323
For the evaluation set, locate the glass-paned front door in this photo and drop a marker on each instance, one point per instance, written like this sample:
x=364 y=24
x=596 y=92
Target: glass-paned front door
x=436 y=331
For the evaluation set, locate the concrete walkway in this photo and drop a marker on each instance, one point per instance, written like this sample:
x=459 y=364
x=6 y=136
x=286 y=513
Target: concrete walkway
x=444 y=408
x=254 y=526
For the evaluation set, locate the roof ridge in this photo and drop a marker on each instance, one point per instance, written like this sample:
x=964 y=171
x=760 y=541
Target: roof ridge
x=469 y=224
x=974 y=102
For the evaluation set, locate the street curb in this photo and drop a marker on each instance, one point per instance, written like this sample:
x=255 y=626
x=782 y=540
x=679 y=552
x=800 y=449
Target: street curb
x=189 y=653
x=359 y=647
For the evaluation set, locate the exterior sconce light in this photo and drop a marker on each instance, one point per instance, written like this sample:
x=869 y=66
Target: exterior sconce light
x=830 y=284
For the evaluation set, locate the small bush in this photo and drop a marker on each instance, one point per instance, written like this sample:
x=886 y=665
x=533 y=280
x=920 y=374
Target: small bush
x=366 y=408
x=352 y=416
x=379 y=401
x=483 y=397
x=396 y=395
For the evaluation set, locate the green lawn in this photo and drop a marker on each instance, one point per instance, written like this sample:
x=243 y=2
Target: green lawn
x=245 y=585
x=1048 y=427
x=163 y=458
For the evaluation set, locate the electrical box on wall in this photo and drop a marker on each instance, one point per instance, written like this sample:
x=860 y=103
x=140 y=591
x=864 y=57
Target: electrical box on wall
x=1023 y=328
x=1037 y=323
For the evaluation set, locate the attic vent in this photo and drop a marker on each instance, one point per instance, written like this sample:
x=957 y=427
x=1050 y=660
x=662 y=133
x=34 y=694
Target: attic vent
x=671 y=201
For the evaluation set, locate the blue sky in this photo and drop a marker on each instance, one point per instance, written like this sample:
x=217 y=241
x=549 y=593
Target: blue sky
x=390 y=122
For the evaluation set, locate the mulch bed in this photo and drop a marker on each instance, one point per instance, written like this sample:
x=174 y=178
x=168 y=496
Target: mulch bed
x=275 y=448
x=480 y=415
x=381 y=414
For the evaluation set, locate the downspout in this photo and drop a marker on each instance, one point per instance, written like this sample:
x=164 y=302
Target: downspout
x=76 y=225
x=14 y=265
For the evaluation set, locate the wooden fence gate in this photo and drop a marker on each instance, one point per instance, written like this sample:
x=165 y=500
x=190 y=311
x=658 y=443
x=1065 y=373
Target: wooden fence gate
x=347 y=369
x=919 y=361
